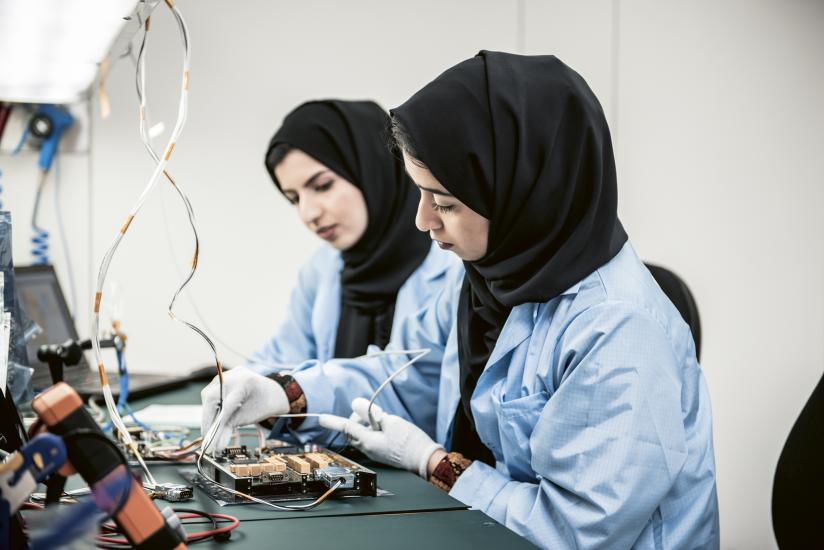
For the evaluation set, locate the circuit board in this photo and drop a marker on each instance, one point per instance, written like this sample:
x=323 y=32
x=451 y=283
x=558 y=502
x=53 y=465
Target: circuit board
x=289 y=471
x=159 y=446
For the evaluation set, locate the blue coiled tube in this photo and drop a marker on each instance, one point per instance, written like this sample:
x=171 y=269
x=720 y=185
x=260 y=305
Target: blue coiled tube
x=40 y=246
x=40 y=240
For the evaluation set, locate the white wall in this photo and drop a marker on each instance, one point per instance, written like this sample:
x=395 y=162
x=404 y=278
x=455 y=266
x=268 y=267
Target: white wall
x=717 y=119
x=720 y=155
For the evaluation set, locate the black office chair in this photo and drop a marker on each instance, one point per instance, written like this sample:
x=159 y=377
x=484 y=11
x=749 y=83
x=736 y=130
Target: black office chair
x=679 y=294
x=798 y=487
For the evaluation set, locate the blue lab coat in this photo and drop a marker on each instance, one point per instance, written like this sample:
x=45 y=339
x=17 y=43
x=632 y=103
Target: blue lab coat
x=593 y=404
x=311 y=323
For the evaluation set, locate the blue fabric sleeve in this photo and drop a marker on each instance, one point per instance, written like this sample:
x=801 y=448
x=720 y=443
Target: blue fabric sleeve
x=607 y=445
x=330 y=387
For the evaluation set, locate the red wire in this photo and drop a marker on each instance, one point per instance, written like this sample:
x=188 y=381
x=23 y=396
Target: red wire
x=190 y=537
x=219 y=531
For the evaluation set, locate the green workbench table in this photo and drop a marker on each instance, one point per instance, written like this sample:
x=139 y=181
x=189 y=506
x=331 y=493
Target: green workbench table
x=416 y=515
x=409 y=493
x=451 y=530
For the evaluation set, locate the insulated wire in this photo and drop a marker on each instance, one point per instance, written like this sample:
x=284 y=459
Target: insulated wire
x=193 y=303
x=201 y=318
x=144 y=134
x=110 y=530
x=189 y=297
x=280 y=507
x=210 y=434
x=107 y=258
x=372 y=422
x=420 y=354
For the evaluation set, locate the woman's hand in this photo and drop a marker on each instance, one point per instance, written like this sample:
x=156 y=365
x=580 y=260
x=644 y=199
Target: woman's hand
x=248 y=398
x=396 y=442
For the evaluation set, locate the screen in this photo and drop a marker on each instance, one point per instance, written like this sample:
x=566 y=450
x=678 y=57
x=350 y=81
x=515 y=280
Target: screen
x=43 y=300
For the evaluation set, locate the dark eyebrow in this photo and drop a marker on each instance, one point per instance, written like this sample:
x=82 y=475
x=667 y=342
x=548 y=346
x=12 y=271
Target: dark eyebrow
x=315 y=176
x=309 y=181
x=434 y=191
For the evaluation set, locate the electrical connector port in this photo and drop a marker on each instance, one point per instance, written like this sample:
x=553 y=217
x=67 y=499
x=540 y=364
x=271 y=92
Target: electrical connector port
x=333 y=474
x=173 y=492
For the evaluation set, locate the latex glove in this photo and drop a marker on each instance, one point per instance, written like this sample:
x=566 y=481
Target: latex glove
x=397 y=443
x=248 y=398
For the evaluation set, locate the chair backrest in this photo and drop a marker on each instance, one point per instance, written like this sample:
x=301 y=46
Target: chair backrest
x=679 y=294
x=797 y=506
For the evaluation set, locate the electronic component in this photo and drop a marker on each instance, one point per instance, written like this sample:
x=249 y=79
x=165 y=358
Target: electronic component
x=165 y=445
x=173 y=492
x=99 y=462
x=289 y=472
x=236 y=451
x=333 y=474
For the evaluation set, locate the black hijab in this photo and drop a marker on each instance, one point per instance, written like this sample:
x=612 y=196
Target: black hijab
x=349 y=138
x=523 y=141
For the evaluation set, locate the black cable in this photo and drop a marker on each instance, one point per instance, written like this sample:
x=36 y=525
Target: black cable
x=94 y=434
x=55 y=486
x=86 y=432
x=197 y=513
x=342 y=447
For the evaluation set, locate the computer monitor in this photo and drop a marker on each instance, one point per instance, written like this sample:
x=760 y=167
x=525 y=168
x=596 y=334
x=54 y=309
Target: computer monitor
x=43 y=299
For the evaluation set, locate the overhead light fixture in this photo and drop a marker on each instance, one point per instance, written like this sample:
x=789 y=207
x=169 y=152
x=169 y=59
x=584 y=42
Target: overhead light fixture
x=50 y=50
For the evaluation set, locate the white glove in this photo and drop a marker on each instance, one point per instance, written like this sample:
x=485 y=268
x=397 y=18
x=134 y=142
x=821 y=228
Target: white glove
x=397 y=443
x=248 y=398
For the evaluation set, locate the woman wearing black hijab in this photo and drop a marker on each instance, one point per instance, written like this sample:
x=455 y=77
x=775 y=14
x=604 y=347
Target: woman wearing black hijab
x=570 y=397
x=330 y=160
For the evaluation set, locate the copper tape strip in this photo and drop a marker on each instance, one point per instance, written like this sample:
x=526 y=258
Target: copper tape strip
x=105 y=105
x=148 y=19
x=186 y=80
x=126 y=225
x=97 y=298
x=169 y=150
x=101 y=370
x=169 y=177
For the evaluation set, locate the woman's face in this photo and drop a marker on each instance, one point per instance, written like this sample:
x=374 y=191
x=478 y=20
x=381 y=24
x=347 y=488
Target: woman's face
x=452 y=224
x=327 y=204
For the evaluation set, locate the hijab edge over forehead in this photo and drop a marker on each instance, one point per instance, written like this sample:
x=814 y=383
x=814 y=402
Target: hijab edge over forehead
x=349 y=138
x=423 y=126
x=517 y=133
x=307 y=140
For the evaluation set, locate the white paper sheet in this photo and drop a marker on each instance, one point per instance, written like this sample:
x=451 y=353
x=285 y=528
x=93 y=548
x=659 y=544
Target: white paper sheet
x=169 y=415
